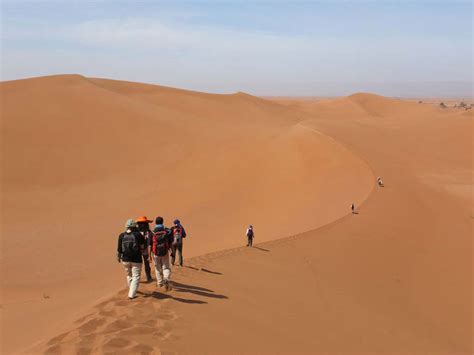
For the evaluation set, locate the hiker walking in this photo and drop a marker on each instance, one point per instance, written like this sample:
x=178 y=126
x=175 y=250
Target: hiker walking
x=130 y=247
x=379 y=181
x=250 y=235
x=178 y=234
x=353 y=207
x=143 y=225
x=159 y=220
x=160 y=244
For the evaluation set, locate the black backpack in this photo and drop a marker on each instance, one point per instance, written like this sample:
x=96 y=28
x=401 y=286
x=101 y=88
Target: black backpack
x=129 y=244
x=160 y=243
x=250 y=233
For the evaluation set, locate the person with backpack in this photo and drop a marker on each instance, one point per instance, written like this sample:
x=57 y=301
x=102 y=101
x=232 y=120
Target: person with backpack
x=159 y=220
x=160 y=244
x=143 y=225
x=178 y=234
x=131 y=245
x=250 y=235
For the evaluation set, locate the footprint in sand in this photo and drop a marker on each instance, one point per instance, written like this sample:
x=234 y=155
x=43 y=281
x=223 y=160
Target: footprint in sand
x=83 y=319
x=121 y=303
x=154 y=322
x=116 y=343
x=57 y=339
x=161 y=335
x=91 y=326
x=143 y=349
x=167 y=315
x=104 y=313
x=140 y=329
x=116 y=326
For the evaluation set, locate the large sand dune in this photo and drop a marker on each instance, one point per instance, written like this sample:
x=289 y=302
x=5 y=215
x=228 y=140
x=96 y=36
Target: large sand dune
x=394 y=279
x=81 y=155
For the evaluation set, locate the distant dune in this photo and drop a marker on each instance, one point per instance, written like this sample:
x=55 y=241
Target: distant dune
x=81 y=155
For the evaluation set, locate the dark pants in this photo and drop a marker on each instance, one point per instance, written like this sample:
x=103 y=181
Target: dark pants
x=146 y=261
x=250 y=241
x=177 y=248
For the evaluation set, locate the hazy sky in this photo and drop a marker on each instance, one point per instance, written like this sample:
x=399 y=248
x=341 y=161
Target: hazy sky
x=397 y=48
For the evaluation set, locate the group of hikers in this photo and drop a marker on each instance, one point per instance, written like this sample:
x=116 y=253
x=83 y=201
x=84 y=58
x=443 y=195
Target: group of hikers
x=139 y=244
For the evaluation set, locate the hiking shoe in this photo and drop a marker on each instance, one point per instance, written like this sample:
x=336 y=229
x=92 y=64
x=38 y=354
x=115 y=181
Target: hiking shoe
x=167 y=285
x=161 y=284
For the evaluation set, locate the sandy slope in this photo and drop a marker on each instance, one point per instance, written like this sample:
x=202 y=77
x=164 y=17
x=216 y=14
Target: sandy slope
x=81 y=155
x=394 y=279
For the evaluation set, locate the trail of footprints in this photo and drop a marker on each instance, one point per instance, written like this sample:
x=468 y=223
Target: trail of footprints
x=109 y=328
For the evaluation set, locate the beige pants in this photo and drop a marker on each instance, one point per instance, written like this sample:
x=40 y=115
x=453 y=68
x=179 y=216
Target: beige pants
x=133 y=271
x=162 y=268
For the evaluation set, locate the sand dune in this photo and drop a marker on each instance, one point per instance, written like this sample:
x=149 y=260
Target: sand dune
x=81 y=155
x=395 y=278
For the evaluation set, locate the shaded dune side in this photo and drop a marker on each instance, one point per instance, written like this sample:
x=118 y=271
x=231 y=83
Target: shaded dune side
x=82 y=155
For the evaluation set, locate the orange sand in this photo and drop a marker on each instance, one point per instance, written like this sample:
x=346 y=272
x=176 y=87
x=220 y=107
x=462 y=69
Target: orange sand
x=81 y=155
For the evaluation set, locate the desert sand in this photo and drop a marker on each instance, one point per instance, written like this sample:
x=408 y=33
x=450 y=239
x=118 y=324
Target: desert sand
x=81 y=155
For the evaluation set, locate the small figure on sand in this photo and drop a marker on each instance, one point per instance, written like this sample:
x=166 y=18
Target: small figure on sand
x=130 y=249
x=143 y=225
x=160 y=245
x=353 y=208
x=379 y=181
x=178 y=234
x=250 y=235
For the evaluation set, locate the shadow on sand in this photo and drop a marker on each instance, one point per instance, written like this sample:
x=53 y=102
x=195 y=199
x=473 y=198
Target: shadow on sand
x=259 y=248
x=199 y=291
x=203 y=269
x=163 y=296
x=211 y=272
x=191 y=267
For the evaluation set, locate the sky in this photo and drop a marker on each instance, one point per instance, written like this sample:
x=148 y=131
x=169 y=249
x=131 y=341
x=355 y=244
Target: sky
x=267 y=47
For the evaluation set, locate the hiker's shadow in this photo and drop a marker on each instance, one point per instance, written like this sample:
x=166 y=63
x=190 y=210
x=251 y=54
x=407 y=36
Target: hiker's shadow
x=259 y=248
x=199 y=291
x=211 y=272
x=164 y=296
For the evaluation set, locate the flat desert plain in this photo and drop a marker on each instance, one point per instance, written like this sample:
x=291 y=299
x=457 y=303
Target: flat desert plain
x=82 y=155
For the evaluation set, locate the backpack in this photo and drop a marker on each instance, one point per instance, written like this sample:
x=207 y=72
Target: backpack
x=160 y=243
x=177 y=236
x=250 y=233
x=129 y=244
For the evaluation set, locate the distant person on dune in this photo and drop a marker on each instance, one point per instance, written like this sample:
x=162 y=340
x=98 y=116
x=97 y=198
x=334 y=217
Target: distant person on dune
x=379 y=181
x=143 y=225
x=160 y=244
x=131 y=245
x=353 y=208
x=250 y=235
x=178 y=234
